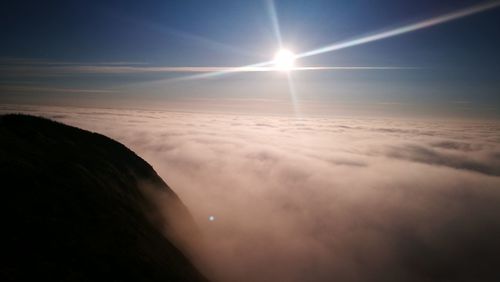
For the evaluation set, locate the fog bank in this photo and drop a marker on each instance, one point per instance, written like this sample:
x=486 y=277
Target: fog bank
x=323 y=199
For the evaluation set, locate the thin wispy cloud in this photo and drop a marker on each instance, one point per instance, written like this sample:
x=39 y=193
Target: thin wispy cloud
x=42 y=89
x=68 y=69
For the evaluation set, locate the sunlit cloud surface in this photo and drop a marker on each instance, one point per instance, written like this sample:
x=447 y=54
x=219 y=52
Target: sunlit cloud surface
x=322 y=199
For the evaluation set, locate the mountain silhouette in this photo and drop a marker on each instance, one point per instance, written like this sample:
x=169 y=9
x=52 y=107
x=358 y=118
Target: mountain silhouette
x=75 y=208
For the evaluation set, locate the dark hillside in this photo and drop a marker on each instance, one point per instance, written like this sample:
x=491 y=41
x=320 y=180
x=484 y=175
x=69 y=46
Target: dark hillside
x=72 y=209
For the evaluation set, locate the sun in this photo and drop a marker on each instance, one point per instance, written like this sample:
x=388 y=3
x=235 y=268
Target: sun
x=284 y=60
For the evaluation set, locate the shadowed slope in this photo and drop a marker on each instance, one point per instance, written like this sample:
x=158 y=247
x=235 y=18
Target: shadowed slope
x=72 y=208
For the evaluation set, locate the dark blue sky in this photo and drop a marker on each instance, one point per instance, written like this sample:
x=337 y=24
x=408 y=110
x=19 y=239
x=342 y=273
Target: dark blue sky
x=458 y=60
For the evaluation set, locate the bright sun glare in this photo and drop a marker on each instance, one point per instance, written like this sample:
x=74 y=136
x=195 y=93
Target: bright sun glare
x=284 y=60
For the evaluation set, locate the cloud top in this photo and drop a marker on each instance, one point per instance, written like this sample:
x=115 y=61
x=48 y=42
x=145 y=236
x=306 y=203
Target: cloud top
x=322 y=199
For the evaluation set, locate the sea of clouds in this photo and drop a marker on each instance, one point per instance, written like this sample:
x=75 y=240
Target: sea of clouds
x=323 y=199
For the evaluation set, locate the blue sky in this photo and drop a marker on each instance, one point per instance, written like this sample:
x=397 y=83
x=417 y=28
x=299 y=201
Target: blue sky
x=454 y=66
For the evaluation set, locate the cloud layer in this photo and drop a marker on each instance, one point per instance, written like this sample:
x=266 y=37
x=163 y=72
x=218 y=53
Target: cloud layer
x=323 y=199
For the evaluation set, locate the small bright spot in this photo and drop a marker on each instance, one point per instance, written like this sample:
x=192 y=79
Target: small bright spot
x=284 y=60
x=211 y=218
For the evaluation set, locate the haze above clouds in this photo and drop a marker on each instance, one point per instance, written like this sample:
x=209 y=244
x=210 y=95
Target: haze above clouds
x=316 y=199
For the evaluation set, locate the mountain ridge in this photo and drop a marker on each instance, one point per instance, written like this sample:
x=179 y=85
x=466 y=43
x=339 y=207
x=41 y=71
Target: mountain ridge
x=74 y=208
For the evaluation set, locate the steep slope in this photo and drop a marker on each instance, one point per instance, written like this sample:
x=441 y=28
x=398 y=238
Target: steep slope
x=72 y=208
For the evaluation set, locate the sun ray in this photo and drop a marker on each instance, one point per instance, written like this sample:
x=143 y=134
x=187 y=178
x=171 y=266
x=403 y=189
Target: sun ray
x=271 y=8
x=293 y=94
x=404 y=29
x=267 y=65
